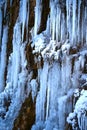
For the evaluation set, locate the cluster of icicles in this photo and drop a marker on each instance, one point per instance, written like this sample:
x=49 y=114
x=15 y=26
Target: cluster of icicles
x=66 y=20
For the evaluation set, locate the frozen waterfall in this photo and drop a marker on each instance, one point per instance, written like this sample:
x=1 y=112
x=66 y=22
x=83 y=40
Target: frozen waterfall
x=48 y=66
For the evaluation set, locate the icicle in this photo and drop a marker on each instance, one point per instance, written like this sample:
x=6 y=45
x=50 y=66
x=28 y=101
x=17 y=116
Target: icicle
x=69 y=19
x=22 y=76
x=48 y=102
x=66 y=73
x=38 y=108
x=43 y=82
x=67 y=9
x=82 y=61
x=24 y=9
x=61 y=112
x=57 y=24
x=48 y=26
x=54 y=86
x=16 y=54
x=38 y=11
x=76 y=74
x=86 y=22
x=11 y=1
x=82 y=122
x=0 y=25
x=23 y=57
x=41 y=98
x=9 y=69
x=27 y=21
x=85 y=123
x=5 y=8
x=34 y=87
x=86 y=34
x=74 y=23
x=3 y=58
x=53 y=19
x=83 y=26
x=79 y=35
x=24 y=17
x=63 y=28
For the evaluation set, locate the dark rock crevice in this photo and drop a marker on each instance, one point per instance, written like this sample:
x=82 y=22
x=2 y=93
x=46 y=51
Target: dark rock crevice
x=26 y=117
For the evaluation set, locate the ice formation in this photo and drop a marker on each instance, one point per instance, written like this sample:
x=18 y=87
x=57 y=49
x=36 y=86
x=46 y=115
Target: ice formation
x=60 y=56
x=3 y=58
x=38 y=11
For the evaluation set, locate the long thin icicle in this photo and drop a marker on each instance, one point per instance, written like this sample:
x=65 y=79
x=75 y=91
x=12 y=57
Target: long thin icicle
x=38 y=11
x=74 y=23
x=0 y=24
x=3 y=58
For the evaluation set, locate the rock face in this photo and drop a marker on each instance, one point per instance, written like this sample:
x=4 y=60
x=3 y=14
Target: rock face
x=43 y=64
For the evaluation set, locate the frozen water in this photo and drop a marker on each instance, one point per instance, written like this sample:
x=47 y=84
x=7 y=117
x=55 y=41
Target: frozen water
x=1 y=18
x=54 y=90
x=3 y=58
x=38 y=11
